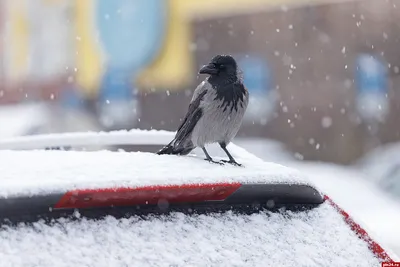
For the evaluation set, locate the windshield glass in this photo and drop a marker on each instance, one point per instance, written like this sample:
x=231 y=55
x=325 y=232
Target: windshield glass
x=319 y=237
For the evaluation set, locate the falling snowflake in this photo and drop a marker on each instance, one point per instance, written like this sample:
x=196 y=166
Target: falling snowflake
x=326 y=122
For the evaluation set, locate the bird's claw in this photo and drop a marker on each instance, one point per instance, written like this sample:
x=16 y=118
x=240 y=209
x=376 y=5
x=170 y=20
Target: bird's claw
x=213 y=161
x=232 y=162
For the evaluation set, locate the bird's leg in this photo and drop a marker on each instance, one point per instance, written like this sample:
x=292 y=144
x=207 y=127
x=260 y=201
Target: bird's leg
x=208 y=158
x=231 y=159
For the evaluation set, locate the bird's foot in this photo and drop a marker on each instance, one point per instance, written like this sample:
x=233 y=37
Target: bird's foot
x=213 y=161
x=232 y=162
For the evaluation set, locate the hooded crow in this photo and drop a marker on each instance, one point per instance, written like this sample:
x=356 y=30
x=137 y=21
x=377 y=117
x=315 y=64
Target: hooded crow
x=215 y=112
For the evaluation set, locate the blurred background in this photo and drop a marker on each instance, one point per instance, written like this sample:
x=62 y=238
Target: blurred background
x=324 y=77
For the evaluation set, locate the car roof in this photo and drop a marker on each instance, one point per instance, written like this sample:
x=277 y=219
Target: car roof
x=289 y=234
x=39 y=172
x=318 y=237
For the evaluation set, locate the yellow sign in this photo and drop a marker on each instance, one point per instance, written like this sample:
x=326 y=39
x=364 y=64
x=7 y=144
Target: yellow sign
x=87 y=56
x=16 y=44
x=173 y=67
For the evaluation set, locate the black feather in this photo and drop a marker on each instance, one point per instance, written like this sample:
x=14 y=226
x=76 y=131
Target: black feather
x=180 y=145
x=231 y=95
x=168 y=149
x=226 y=82
x=192 y=117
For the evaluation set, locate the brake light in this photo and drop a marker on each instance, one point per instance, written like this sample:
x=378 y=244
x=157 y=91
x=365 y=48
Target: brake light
x=355 y=227
x=151 y=195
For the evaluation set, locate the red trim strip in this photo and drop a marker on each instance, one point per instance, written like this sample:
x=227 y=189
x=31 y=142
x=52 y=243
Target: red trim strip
x=126 y=196
x=379 y=252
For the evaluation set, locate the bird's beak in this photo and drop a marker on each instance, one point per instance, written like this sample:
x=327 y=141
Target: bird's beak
x=208 y=69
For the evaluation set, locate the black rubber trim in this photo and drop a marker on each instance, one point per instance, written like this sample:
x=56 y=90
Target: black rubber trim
x=249 y=198
x=278 y=193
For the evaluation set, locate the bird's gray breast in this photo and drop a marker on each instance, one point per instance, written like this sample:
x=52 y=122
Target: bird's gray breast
x=220 y=121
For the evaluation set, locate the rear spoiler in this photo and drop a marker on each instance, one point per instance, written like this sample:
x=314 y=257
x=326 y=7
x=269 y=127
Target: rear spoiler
x=149 y=200
x=80 y=139
x=134 y=137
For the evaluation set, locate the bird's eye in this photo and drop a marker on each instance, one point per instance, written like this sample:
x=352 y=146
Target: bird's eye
x=221 y=66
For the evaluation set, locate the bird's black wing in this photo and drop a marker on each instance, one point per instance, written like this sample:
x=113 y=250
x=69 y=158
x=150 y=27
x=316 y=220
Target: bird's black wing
x=179 y=144
x=192 y=117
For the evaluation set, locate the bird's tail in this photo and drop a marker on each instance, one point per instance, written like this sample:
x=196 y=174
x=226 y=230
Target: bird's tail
x=168 y=149
x=172 y=149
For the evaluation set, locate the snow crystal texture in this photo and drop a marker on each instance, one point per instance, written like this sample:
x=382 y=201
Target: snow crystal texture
x=316 y=238
x=43 y=172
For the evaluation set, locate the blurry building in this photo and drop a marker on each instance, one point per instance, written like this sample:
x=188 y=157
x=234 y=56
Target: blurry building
x=312 y=52
x=299 y=58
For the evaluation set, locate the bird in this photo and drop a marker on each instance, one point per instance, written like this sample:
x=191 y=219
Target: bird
x=215 y=112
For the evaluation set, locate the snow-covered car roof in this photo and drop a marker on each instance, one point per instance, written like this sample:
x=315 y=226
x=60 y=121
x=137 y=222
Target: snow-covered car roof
x=353 y=190
x=38 y=172
x=320 y=236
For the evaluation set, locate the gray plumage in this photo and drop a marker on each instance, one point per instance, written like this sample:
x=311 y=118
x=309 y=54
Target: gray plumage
x=218 y=124
x=215 y=112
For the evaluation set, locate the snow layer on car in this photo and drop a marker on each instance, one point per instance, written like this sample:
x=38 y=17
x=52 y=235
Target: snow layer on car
x=319 y=237
x=88 y=139
x=42 y=172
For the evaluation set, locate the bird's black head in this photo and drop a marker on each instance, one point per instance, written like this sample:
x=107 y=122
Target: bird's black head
x=223 y=66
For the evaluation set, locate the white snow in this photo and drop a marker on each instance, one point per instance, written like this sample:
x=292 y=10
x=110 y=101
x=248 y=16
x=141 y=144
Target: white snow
x=374 y=210
x=326 y=122
x=36 y=172
x=17 y=120
x=352 y=190
x=377 y=162
x=225 y=240
x=134 y=137
x=316 y=238
x=276 y=151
